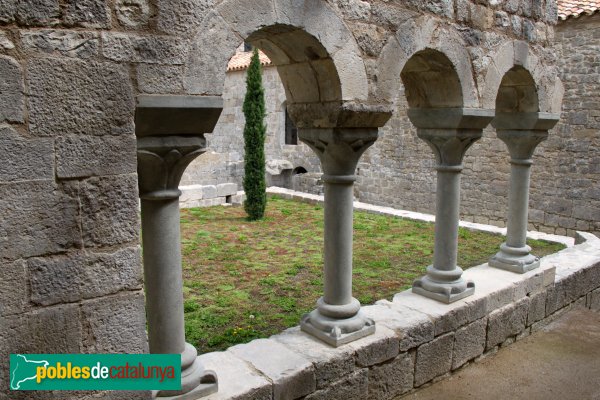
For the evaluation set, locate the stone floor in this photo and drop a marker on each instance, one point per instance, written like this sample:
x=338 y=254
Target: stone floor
x=562 y=361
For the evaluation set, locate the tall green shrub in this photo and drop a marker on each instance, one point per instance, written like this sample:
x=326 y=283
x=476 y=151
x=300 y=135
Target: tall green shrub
x=254 y=142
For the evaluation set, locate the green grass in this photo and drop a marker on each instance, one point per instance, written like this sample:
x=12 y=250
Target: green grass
x=244 y=280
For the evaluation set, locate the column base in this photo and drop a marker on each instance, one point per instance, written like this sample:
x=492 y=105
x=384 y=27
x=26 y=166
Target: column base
x=444 y=291
x=196 y=382
x=514 y=259
x=337 y=332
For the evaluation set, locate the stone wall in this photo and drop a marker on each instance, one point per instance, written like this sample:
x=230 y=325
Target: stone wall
x=574 y=152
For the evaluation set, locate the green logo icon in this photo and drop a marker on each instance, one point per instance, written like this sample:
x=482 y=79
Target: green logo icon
x=95 y=372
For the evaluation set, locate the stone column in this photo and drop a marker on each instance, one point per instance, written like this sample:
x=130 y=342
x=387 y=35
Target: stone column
x=521 y=132
x=166 y=145
x=449 y=133
x=337 y=319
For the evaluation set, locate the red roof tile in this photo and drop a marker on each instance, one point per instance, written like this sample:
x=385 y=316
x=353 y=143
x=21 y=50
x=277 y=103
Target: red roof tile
x=241 y=60
x=571 y=8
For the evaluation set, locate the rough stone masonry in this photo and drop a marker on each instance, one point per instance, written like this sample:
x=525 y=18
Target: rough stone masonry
x=394 y=171
x=70 y=72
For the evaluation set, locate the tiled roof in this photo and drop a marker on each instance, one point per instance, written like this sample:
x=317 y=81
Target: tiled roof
x=241 y=60
x=574 y=9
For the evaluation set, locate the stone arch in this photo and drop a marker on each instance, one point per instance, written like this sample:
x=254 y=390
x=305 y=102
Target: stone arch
x=517 y=92
x=519 y=56
x=430 y=81
x=304 y=39
x=424 y=35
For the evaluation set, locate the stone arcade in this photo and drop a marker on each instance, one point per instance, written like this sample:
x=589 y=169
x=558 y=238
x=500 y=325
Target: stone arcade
x=74 y=81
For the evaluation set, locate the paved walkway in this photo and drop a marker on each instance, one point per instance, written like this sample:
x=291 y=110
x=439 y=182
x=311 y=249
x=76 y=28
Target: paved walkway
x=560 y=362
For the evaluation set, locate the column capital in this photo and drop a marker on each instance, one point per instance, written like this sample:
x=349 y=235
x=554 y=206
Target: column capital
x=335 y=114
x=339 y=149
x=170 y=132
x=162 y=161
x=450 y=131
x=523 y=132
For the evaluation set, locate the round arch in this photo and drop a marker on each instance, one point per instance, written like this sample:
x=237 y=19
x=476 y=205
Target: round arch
x=430 y=81
x=306 y=40
x=516 y=61
x=424 y=36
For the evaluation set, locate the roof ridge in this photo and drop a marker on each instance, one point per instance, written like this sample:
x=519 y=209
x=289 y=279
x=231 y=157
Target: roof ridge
x=574 y=9
x=241 y=60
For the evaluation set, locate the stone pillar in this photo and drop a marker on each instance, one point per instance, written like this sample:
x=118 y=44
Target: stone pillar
x=337 y=319
x=167 y=143
x=449 y=133
x=521 y=132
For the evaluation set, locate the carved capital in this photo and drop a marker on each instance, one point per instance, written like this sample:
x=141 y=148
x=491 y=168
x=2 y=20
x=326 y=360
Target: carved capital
x=450 y=131
x=522 y=144
x=162 y=161
x=449 y=146
x=523 y=132
x=339 y=149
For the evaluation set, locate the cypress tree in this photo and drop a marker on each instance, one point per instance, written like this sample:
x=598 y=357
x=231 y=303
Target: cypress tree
x=254 y=142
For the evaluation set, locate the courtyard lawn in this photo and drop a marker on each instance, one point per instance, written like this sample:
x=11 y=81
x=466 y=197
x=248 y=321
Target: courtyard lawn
x=244 y=280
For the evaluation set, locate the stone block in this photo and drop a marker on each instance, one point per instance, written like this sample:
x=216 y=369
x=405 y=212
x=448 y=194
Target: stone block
x=495 y=286
x=133 y=14
x=13 y=287
x=594 y=302
x=354 y=386
x=412 y=327
x=506 y=322
x=8 y=9
x=87 y=13
x=374 y=349
x=115 y=324
x=97 y=98
x=40 y=331
x=84 y=156
x=5 y=41
x=143 y=49
x=48 y=330
x=160 y=79
x=445 y=8
x=469 y=342
x=205 y=75
x=556 y=298
x=226 y=189
x=12 y=100
x=83 y=276
x=38 y=12
x=25 y=159
x=433 y=359
x=391 y=379
x=38 y=218
x=182 y=16
x=109 y=208
x=445 y=317
x=331 y=364
x=77 y=44
x=537 y=308
x=237 y=380
x=292 y=375
x=209 y=192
